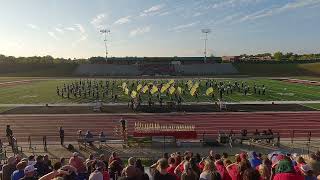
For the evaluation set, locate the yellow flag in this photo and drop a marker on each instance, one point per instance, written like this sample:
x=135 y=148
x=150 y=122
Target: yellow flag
x=179 y=90
x=171 y=82
x=154 y=89
x=209 y=91
x=134 y=94
x=196 y=85
x=124 y=85
x=145 y=88
x=164 y=88
x=189 y=83
x=193 y=91
x=139 y=87
x=126 y=91
x=172 y=89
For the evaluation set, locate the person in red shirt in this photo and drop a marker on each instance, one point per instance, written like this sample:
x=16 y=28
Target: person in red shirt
x=299 y=163
x=220 y=167
x=233 y=169
x=285 y=171
x=222 y=170
x=172 y=166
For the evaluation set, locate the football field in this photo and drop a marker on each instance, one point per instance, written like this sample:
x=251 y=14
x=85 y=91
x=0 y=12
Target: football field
x=38 y=91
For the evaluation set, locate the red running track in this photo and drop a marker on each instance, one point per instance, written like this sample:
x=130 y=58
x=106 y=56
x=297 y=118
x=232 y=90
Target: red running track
x=210 y=123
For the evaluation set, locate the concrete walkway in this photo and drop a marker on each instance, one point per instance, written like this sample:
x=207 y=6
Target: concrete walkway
x=189 y=103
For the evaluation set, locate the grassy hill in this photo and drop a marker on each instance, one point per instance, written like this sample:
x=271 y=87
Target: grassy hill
x=254 y=69
x=294 y=69
x=37 y=70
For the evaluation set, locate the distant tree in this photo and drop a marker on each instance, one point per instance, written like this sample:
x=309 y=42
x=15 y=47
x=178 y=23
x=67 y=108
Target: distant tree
x=97 y=60
x=293 y=57
x=278 y=56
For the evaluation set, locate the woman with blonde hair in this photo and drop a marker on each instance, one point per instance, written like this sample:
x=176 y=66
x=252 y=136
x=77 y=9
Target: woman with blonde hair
x=209 y=171
x=188 y=173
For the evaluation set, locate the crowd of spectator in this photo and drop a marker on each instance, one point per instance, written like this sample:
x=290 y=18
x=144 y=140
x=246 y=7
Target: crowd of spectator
x=176 y=166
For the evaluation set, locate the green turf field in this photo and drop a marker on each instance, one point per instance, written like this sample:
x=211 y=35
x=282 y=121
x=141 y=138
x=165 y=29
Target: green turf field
x=44 y=91
x=314 y=106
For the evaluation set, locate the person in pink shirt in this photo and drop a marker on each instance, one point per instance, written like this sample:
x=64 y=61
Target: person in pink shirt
x=77 y=162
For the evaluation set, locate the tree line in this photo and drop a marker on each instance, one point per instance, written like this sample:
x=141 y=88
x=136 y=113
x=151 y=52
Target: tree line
x=286 y=56
x=96 y=60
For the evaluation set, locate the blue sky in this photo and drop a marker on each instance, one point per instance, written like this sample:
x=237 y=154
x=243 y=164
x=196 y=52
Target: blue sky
x=70 y=28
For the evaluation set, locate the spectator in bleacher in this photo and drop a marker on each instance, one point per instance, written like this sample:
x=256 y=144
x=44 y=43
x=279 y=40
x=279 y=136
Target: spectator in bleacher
x=29 y=173
x=298 y=162
x=180 y=168
x=243 y=156
x=243 y=166
x=172 y=166
x=53 y=173
x=18 y=158
x=161 y=171
x=314 y=162
x=233 y=169
x=47 y=163
x=19 y=173
x=140 y=167
x=201 y=164
x=251 y=174
x=227 y=162
x=166 y=155
x=97 y=174
x=77 y=162
x=31 y=160
x=221 y=168
x=188 y=173
x=307 y=172
x=285 y=171
x=211 y=155
x=225 y=156
x=68 y=172
x=198 y=158
x=41 y=169
x=254 y=160
x=195 y=167
x=130 y=170
x=209 y=171
x=63 y=161
x=265 y=169
x=103 y=158
x=177 y=159
x=89 y=163
x=8 y=168
x=115 y=165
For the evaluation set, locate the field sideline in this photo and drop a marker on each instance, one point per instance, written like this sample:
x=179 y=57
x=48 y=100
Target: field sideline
x=43 y=90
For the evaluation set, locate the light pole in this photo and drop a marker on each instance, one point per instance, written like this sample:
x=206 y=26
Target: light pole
x=206 y=32
x=105 y=32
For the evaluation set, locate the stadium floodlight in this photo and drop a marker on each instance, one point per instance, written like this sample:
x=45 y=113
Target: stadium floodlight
x=105 y=32
x=206 y=32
